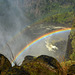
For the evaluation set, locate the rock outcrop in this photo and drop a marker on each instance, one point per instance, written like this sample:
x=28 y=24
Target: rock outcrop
x=70 y=53
x=4 y=63
x=43 y=61
x=71 y=70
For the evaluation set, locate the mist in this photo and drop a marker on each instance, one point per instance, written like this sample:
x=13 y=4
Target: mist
x=12 y=21
x=14 y=35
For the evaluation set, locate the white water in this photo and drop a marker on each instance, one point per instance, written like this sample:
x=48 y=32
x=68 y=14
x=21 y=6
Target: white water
x=12 y=21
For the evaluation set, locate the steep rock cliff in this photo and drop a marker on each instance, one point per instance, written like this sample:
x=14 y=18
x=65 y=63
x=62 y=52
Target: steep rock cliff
x=70 y=53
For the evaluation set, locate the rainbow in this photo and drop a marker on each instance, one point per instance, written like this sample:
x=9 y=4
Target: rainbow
x=38 y=39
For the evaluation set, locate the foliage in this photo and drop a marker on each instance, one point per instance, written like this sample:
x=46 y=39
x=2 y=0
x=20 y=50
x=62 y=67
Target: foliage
x=63 y=18
x=66 y=65
x=16 y=70
x=42 y=65
x=71 y=70
x=70 y=53
x=72 y=37
x=53 y=11
x=37 y=68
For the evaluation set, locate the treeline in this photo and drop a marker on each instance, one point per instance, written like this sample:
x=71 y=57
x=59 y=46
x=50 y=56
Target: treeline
x=57 y=11
x=72 y=37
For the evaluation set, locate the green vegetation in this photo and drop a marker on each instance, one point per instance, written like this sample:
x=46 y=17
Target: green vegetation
x=63 y=18
x=72 y=37
x=42 y=65
x=66 y=67
x=51 y=11
x=37 y=68
x=70 y=64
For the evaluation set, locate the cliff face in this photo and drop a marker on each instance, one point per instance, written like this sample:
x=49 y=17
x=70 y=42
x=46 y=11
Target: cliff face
x=70 y=53
x=72 y=36
x=69 y=49
x=36 y=9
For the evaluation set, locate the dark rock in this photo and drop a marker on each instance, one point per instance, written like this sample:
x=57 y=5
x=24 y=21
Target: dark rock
x=28 y=59
x=71 y=70
x=50 y=61
x=70 y=53
x=16 y=70
x=4 y=63
x=69 y=49
x=42 y=60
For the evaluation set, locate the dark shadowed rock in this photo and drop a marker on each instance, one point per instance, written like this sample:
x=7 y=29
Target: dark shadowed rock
x=4 y=63
x=69 y=49
x=16 y=70
x=50 y=61
x=28 y=59
x=42 y=65
x=70 y=53
x=71 y=70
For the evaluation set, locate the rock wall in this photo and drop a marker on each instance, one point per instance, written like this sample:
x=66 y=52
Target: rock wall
x=70 y=53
